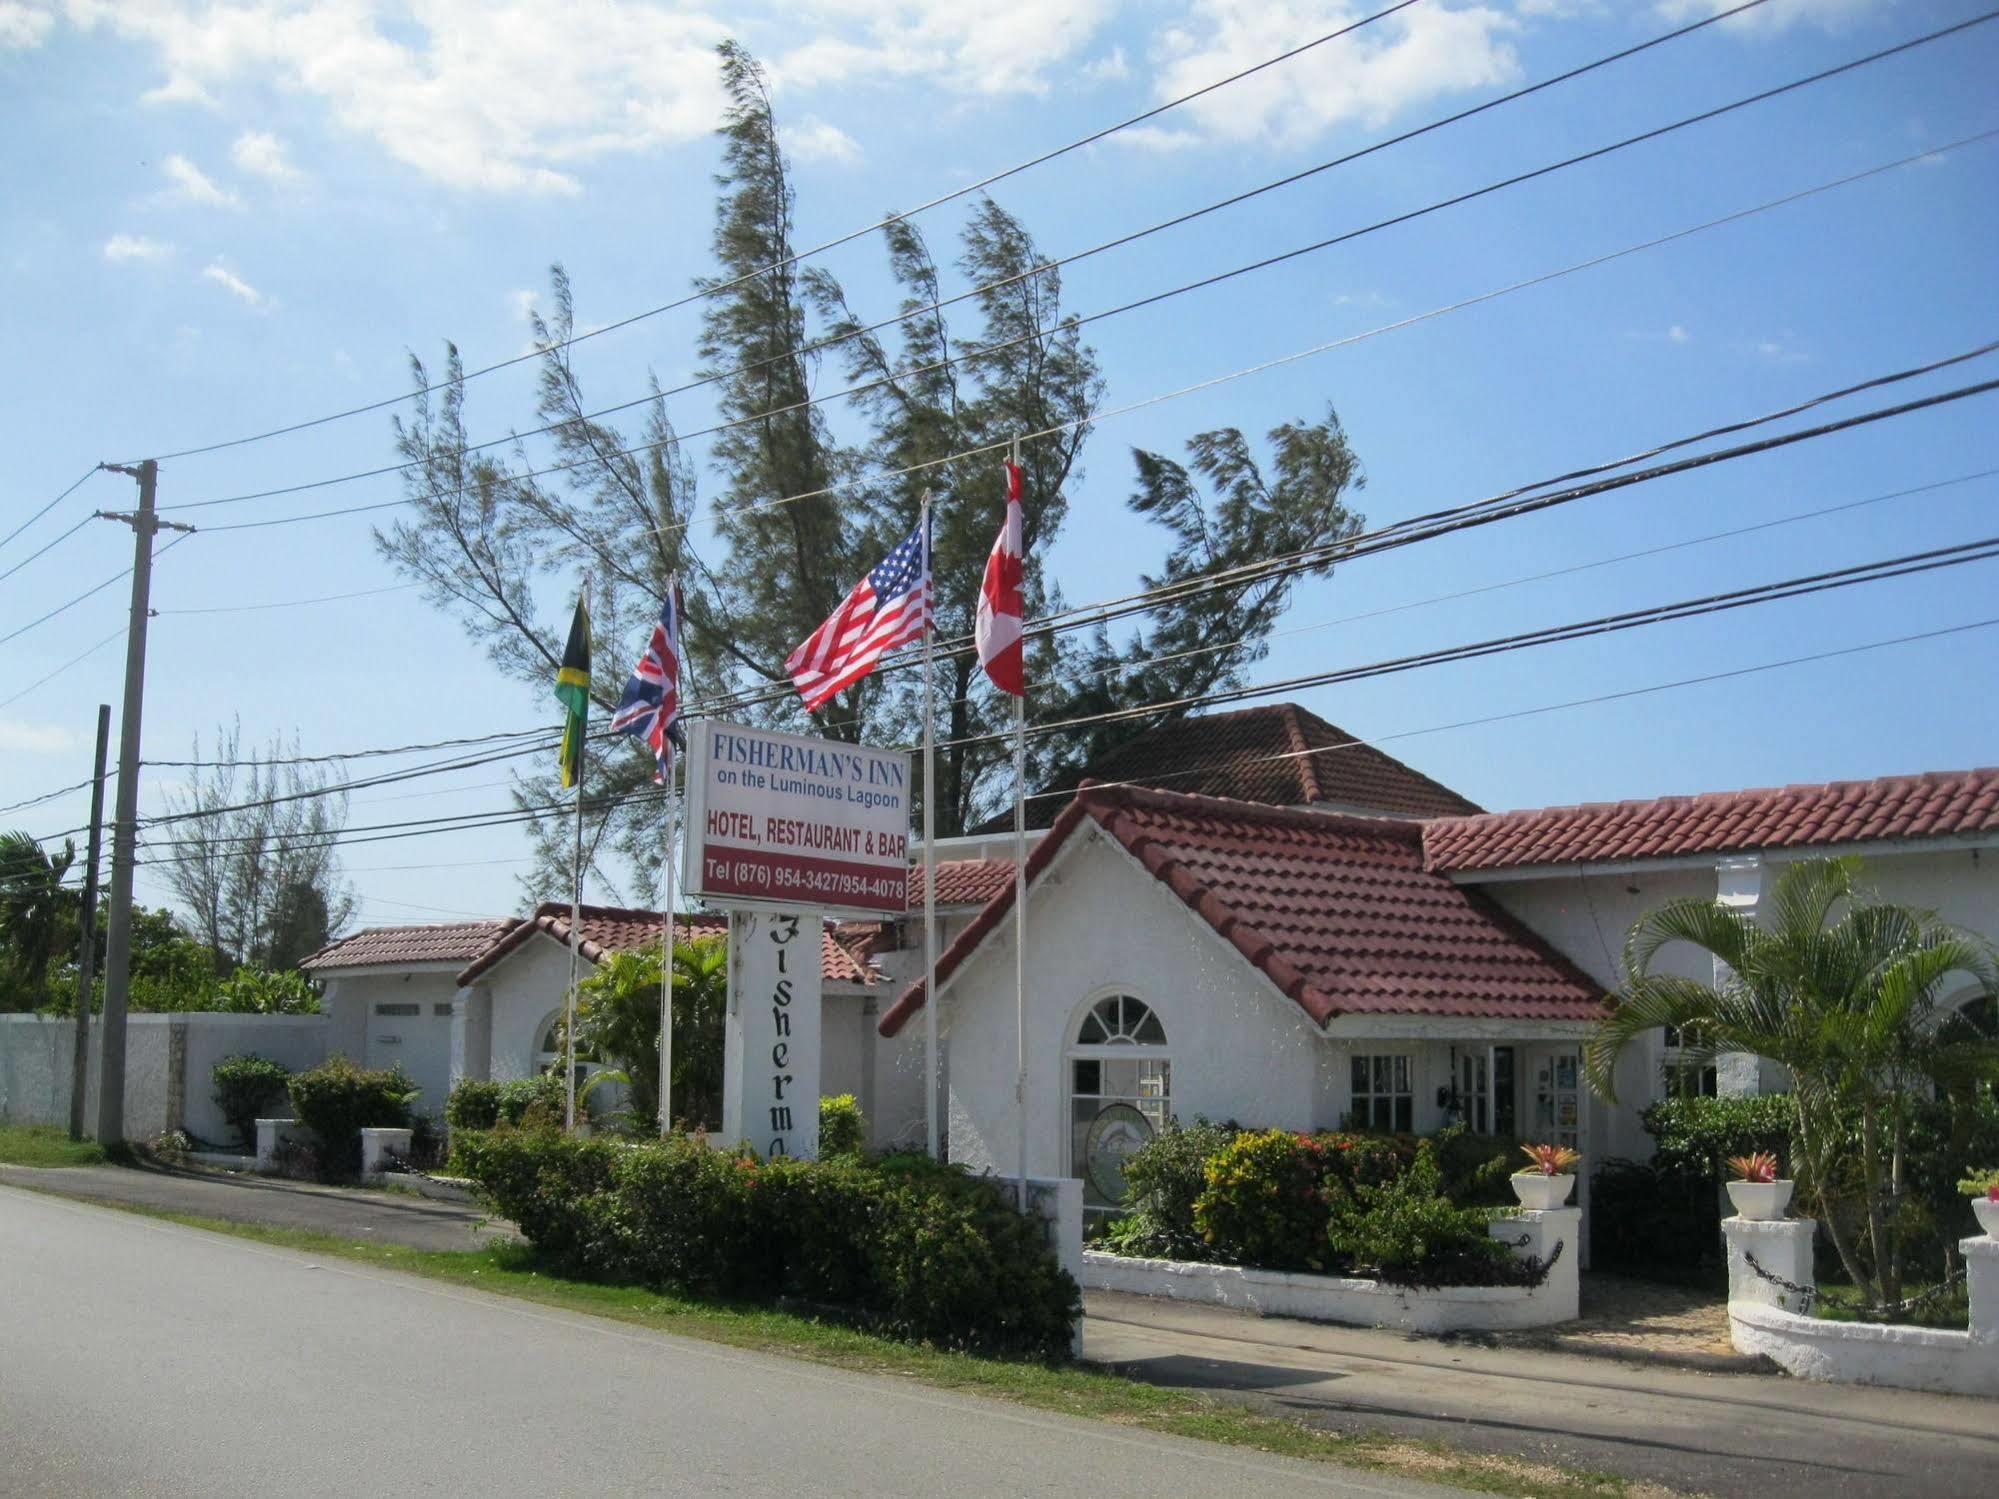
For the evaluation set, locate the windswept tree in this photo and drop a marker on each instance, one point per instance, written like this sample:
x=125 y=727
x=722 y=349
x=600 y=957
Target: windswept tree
x=39 y=917
x=795 y=514
x=249 y=846
x=1843 y=992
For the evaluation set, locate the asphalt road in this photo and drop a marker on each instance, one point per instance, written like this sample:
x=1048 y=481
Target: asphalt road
x=139 y=1357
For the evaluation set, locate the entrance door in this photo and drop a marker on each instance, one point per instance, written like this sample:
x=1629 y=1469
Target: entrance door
x=1558 y=1118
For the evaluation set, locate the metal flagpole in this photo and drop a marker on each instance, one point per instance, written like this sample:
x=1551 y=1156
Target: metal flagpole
x=930 y=1078
x=575 y=922
x=666 y=878
x=1020 y=879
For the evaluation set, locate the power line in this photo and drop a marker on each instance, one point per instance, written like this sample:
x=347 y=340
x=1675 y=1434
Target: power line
x=819 y=249
x=124 y=572
x=1212 y=382
x=47 y=796
x=78 y=483
x=1881 y=570
x=325 y=598
x=1041 y=269
x=73 y=661
x=47 y=546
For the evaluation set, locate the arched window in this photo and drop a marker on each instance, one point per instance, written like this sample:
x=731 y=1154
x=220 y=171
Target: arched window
x=1120 y=1093
x=548 y=1048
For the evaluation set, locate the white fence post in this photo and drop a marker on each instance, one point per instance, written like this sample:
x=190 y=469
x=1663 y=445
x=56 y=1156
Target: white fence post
x=377 y=1146
x=1543 y=1234
x=1981 y=1281
x=1058 y=1202
x=1782 y=1250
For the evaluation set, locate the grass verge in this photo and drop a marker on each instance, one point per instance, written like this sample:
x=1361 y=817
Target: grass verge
x=45 y=1145
x=510 y=1270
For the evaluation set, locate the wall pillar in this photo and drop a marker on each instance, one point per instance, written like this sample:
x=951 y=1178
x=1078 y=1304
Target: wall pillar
x=1783 y=1248
x=377 y=1146
x=1539 y=1235
x=770 y=1042
x=1981 y=1275
x=1058 y=1202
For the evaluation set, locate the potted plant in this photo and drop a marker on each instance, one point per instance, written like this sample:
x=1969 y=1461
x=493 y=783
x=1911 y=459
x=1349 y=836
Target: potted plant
x=1982 y=1187
x=1756 y=1190
x=1545 y=1183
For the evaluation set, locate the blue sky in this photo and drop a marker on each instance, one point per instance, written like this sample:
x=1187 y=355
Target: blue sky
x=222 y=218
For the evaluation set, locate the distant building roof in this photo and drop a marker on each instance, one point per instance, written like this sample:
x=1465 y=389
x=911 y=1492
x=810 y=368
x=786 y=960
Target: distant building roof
x=1336 y=910
x=446 y=942
x=1934 y=805
x=609 y=929
x=1278 y=754
x=962 y=882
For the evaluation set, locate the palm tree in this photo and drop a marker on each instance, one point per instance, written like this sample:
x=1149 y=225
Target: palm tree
x=617 y=1018
x=1843 y=993
x=38 y=916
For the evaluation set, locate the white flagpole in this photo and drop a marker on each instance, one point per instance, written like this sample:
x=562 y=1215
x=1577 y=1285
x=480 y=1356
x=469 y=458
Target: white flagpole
x=666 y=879
x=1020 y=876
x=575 y=916
x=930 y=1078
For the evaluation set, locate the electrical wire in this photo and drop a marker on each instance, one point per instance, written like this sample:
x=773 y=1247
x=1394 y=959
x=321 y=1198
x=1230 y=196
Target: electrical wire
x=718 y=288
x=878 y=476
x=78 y=483
x=90 y=592
x=325 y=598
x=73 y=661
x=1041 y=269
x=48 y=546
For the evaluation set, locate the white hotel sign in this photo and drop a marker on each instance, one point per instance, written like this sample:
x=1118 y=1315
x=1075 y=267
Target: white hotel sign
x=801 y=824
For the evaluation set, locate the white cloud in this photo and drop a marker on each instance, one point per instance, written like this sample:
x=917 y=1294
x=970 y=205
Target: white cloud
x=1370 y=76
x=135 y=247
x=813 y=139
x=33 y=738
x=524 y=303
x=1776 y=350
x=23 y=26
x=1156 y=138
x=1109 y=67
x=1677 y=334
x=236 y=286
x=497 y=95
x=196 y=185
x=264 y=155
x=1832 y=15
x=973 y=49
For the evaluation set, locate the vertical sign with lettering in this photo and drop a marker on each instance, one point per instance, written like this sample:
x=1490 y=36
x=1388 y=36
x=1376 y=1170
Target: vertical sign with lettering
x=770 y=1091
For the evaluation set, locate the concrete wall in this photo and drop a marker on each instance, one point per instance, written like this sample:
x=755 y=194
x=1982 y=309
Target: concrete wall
x=420 y=1043
x=167 y=1064
x=1238 y=1048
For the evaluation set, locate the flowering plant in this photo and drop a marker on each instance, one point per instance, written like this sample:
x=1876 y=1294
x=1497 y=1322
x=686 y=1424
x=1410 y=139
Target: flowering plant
x=1981 y=1184
x=1549 y=1160
x=1757 y=1166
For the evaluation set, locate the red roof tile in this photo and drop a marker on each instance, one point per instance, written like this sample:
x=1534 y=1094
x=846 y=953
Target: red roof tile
x=962 y=882
x=1936 y=805
x=447 y=942
x=1278 y=754
x=1338 y=911
x=609 y=929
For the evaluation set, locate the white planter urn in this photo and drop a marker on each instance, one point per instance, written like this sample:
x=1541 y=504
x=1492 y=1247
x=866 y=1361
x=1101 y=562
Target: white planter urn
x=1539 y=1193
x=1988 y=1215
x=1760 y=1202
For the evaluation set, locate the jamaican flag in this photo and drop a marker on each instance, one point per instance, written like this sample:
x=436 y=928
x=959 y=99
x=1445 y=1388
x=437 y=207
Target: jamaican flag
x=572 y=690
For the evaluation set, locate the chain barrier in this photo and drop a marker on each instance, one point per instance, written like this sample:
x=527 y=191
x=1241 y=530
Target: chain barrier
x=1883 y=1313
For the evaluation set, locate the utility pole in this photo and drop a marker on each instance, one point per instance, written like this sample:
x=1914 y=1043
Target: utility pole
x=86 y=963
x=125 y=825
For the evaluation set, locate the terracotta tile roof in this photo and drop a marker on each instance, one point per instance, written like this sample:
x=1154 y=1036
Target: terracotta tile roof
x=609 y=929
x=1338 y=911
x=1939 y=804
x=448 y=942
x=962 y=882
x=1278 y=754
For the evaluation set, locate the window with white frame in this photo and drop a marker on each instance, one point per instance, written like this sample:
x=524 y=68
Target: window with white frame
x=1120 y=1093
x=1382 y=1097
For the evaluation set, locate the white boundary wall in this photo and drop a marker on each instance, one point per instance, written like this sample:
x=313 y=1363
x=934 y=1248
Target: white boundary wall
x=167 y=1062
x=1369 y=1303
x=1760 y=1321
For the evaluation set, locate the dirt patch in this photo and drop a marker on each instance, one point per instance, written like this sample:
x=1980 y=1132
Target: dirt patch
x=1418 y=1461
x=1646 y=1321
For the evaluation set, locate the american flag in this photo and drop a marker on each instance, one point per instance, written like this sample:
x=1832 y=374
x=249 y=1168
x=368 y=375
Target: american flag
x=888 y=608
x=650 y=708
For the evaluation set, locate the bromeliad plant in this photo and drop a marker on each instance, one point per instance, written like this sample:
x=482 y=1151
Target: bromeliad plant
x=1549 y=1160
x=1757 y=1166
x=1983 y=1184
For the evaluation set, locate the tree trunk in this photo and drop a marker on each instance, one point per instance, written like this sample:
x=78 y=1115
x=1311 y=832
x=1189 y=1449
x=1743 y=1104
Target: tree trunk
x=1828 y=1213
x=1877 y=1232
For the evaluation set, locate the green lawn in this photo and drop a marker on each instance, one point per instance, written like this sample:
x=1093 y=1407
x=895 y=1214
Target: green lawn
x=509 y=1270
x=45 y=1145
x=1951 y=1311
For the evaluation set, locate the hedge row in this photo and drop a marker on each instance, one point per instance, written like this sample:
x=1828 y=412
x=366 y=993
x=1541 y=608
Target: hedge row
x=1339 y=1202
x=911 y=1248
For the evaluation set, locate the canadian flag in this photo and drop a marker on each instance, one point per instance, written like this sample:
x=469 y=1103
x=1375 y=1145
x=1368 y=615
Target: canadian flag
x=997 y=630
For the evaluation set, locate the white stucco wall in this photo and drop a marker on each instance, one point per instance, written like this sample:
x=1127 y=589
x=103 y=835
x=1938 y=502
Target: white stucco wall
x=421 y=1043
x=527 y=987
x=295 y=1041
x=1097 y=924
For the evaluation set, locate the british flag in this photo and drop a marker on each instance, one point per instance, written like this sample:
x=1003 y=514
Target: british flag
x=650 y=708
x=888 y=608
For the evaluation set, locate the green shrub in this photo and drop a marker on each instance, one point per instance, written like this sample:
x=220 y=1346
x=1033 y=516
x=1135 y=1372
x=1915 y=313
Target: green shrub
x=1696 y=1136
x=534 y=1102
x=1475 y=1168
x=245 y=1089
x=1260 y=1202
x=262 y=991
x=473 y=1103
x=338 y=1099
x=1406 y=1232
x=924 y=1252
x=1163 y=1177
x=843 y=1128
